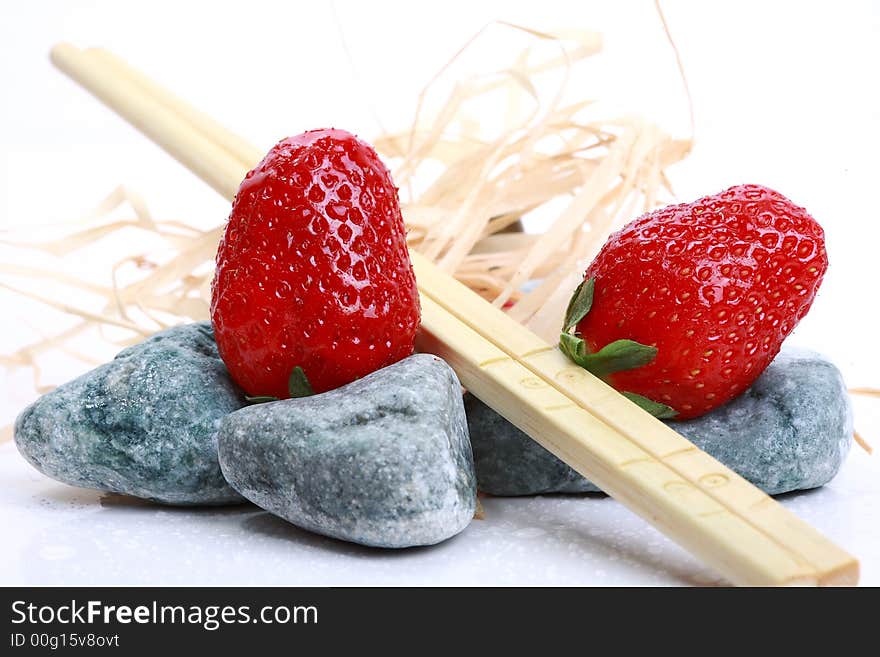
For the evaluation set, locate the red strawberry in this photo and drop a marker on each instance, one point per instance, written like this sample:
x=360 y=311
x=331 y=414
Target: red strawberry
x=313 y=270
x=691 y=302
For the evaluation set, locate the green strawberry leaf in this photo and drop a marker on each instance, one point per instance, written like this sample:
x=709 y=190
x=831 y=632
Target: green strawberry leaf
x=579 y=304
x=573 y=347
x=298 y=384
x=658 y=410
x=259 y=399
x=617 y=356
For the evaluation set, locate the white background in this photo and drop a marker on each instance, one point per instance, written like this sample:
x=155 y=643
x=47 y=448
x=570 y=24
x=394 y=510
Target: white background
x=785 y=94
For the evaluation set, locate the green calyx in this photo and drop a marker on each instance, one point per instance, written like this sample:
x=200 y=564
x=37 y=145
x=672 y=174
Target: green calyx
x=297 y=386
x=658 y=410
x=617 y=356
x=579 y=304
x=259 y=399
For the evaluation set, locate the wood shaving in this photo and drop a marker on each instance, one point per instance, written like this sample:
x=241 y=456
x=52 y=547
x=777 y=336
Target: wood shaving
x=861 y=442
x=462 y=191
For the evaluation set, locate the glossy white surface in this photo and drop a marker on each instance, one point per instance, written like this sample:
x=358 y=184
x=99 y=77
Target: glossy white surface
x=55 y=534
x=783 y=94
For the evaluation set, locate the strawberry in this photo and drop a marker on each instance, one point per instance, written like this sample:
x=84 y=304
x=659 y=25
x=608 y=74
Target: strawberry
x=685 y=306
x=314 y=287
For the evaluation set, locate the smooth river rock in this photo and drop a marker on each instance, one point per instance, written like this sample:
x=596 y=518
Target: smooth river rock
x=790 y=431
x=144 y=424
x=384 y=461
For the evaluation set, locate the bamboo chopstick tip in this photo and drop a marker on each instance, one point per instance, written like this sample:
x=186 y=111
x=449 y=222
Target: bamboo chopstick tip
x=847 y=575
x=60 y=51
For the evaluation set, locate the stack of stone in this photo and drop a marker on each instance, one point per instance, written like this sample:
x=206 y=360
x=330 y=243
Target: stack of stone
x=386 y=461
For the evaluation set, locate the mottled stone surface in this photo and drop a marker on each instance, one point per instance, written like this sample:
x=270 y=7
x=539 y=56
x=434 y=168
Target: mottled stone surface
x=384 y=461
x=144 y=424
x=790 y=431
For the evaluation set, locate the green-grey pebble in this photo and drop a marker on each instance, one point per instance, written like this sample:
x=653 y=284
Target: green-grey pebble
x=144 y=424
x=791 y=430
x=384 y=461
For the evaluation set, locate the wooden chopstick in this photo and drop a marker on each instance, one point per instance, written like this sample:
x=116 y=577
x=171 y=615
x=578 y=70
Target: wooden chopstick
x=207 y=126
x=663 y=444
x=691 y=497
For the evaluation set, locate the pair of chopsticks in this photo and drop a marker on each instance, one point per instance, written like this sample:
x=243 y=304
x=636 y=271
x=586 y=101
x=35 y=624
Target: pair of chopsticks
x=692 y=498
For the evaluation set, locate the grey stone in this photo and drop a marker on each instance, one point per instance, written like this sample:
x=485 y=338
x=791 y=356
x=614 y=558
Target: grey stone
x=144 y=424
x=384 y=461
x=791 y=430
